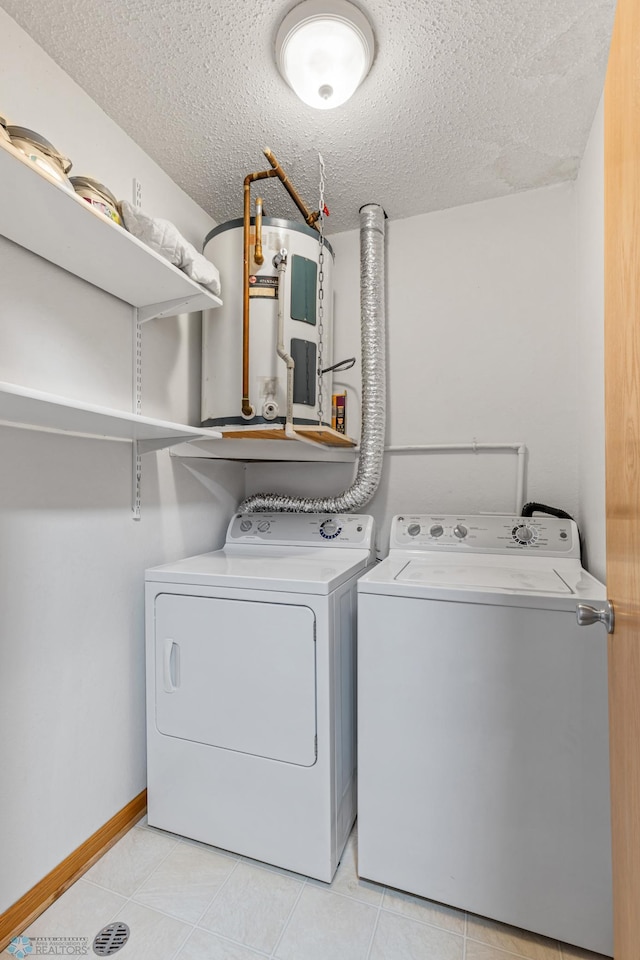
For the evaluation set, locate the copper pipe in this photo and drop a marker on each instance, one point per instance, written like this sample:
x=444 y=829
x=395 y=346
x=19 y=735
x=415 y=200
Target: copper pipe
x=257 y=256
x=248 y=410
x=309 y=217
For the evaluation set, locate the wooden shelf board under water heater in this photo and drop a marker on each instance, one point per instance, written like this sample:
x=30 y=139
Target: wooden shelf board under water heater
x=271 y=443
x=322 y=435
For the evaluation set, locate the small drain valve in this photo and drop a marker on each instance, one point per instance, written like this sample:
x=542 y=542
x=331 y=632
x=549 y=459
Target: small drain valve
x=111 y=939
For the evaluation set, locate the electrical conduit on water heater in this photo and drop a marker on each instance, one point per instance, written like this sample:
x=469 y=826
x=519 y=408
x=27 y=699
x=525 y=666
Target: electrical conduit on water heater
x=372 y=300
x=280 y=263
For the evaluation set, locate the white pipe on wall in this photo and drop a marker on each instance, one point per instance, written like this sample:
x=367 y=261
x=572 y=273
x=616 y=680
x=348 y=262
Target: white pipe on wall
x=519 y=448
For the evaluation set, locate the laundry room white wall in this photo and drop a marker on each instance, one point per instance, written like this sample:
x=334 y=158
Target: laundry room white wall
x=481 y=347
x=72 y=751
x=590 y=345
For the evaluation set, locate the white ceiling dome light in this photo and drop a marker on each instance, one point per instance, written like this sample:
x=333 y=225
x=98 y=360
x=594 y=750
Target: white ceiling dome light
x=324 y=50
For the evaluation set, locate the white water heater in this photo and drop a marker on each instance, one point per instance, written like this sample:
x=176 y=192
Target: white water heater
x=222 y=359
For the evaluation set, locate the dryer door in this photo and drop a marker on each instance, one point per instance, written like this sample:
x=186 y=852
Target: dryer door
x=237 y=674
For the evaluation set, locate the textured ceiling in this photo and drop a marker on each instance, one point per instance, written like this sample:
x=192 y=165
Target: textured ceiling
x=466 y=99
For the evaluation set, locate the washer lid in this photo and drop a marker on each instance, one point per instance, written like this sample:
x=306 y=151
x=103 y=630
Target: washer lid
x=284 y=569
x=464 y=576
x=548 y=583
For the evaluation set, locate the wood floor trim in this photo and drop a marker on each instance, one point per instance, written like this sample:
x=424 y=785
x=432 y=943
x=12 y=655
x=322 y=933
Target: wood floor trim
x=14 y=920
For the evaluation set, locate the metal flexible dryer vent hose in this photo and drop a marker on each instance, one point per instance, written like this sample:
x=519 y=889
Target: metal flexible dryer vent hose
x=372 y=300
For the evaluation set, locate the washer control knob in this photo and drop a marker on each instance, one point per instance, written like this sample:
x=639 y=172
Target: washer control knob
x=245 y=525
x=414 y=529
x=460 y=531
x=523 y=534
x=436 y=530
x=330 y=529
x=264 y=526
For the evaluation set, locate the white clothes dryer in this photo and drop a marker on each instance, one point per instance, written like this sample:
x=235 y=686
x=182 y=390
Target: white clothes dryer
x=482 y=724
x=251 y=689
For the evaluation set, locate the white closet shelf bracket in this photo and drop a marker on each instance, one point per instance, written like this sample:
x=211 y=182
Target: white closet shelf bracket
x=169 y=308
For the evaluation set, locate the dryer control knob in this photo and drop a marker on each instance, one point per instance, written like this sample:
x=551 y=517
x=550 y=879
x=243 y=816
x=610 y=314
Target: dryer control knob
x=329 y=529
x=264 y=526
x=436 y=530
x=460 y=531
x=245 y=525
x=414 y=529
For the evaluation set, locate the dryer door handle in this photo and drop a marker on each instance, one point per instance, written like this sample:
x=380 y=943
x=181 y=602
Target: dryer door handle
x=171 y=666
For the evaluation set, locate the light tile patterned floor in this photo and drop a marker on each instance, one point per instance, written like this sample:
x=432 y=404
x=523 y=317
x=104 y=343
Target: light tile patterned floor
x=187 y=901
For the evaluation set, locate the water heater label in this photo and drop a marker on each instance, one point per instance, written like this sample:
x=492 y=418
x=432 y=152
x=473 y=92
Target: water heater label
x=263 y=287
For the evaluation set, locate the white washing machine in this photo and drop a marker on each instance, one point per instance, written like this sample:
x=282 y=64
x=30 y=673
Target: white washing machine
x=482 y=724
x=251 y=689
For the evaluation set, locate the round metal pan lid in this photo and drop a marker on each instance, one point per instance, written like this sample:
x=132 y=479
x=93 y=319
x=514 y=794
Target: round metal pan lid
x=23 y=133
x=94 y=185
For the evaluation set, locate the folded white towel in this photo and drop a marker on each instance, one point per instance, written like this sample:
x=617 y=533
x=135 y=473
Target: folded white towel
x=163 y=237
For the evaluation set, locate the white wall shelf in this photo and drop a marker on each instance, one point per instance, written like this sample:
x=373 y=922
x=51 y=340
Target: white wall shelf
x=273 y=450
x=38 y=213
x=36 y=410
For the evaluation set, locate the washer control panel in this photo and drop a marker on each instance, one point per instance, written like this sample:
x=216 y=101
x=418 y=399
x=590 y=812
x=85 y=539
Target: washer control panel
x=547 y=536
x=306 y=529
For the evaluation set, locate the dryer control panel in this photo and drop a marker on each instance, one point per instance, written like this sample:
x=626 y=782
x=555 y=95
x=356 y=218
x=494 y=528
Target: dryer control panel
x=303 y=529
x=544 y=536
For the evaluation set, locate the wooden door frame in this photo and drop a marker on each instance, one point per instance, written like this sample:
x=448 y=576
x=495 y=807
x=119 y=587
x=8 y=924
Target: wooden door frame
x=622 y=415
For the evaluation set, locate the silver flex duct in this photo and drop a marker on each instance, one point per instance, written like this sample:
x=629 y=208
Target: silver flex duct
x=372 y=299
